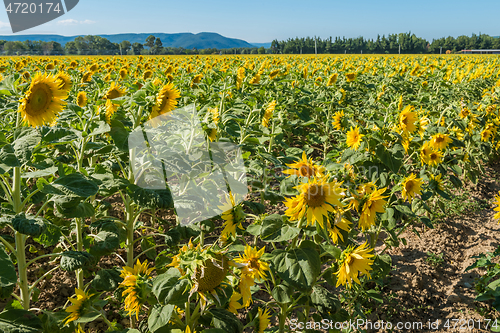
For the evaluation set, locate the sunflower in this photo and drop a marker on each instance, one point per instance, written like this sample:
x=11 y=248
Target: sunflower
x=352 y=263
x=485 y=135
x=147 y=74
x=255 y=79
x=268 y=114
x=440 y=141
x=81 y=99
x=80 y=305
x=65 y=81
x=304 y=168
x=123 y=73
x=253 y=266
x=337 y=120
x=354 y=138
x=411 y=186
x=274 y=74
x=400 y=103
x=316 y=198
x=136 y=281
x=246 y=282
x=407 y=120
x=86 y=77
x=196 y=80
x=43 y=100
x=372 y=203
x=435 y=157
x=332 y=79
x=166 y=100
x=232 y=214
x=497 y=208
x=233 y=305
x=423 y=123
x=342 y=99
x=240 y=76
x=114 y=92
x=425 y=152
x=339 y=224
x=350 y=77
x=263 y=317
x=110 y=110
x=436 y=182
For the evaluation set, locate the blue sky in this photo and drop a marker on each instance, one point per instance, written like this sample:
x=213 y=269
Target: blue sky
x=265 y=20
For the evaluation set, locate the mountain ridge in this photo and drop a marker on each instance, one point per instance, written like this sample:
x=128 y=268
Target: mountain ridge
x=186 y=40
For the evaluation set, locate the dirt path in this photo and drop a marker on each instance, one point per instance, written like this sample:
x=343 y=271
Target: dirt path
x=421 y=292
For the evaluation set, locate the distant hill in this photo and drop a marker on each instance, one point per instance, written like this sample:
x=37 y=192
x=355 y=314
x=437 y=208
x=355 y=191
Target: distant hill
x=202 y=40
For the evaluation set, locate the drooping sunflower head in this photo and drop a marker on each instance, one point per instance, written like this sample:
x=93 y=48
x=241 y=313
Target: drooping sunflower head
x=86 y=77
x=263 y=320
x=147 y=74
x=43 y=101
x=79 y=306
x=114 y=91
x=137 y=281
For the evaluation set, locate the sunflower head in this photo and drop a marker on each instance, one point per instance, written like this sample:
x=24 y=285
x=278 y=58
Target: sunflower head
x=166 y=100
x=305 y=168
x=65 y=81
x=354 y=262
x=137 y=284
x=43 y=100
x=354 y=138
x=411 y=187
x=79 y=306
x=81 y=99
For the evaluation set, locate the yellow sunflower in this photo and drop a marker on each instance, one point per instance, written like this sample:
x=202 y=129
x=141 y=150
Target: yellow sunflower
x=332 y=79
x=435 y=157
x=304 y=168
x=407 y=120
x=255 y=79
x=411 y=186
x=114 y=92
x=135 y=280
x=317 y=197
x=339 y=224
x=65 y=81
x=81 y=99
x=166 y=100
x=86 y=77
x=268 y=113
x=440 y=141
x=80 y=305
x=373 y=203
x=354 y=138
x=240 y=76
x=233 y=305
x=350 y=77
x=352 y=263
x=43 y=100
x=497 y=208
x=232 y=214
x=337 y=120
x=263 y=317
x=253 y=266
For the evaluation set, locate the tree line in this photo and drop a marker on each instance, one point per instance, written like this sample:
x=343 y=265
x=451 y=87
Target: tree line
x=406 y=43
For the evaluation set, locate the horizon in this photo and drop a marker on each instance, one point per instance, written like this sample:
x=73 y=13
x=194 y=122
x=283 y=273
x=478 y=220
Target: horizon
x=264 y=22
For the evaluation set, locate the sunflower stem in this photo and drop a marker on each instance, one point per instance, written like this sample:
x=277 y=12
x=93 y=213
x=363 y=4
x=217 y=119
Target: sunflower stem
x=79 y=246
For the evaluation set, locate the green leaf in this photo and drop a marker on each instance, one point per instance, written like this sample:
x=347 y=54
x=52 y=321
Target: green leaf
x=375 y=295
x=58 y=135
x=324 y=300
x=75 y=184
x=40 y=173
x=256 y=207
x=8 y=277
x=88 y=317
x=105 y=243
x=298 y=267
x=107 y=280
x=19 y=321
x=282 y=293
x=8 y=159
x=25 y=140
x=73 y=260
x=80 y=210
x=392 y=158
x=160 y=316
x=273 y=230
x=159 y=199
x=103 y=128
x=119 y=134
x=147 y=244
x=28 y=225
x=53 y=322
x=168 y=289
x=50 y=236
x=226 y=321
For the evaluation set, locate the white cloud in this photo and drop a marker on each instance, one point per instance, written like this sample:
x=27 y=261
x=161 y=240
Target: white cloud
x=74 y=22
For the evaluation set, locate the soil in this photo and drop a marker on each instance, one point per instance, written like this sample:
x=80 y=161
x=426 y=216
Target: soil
x=415 y=291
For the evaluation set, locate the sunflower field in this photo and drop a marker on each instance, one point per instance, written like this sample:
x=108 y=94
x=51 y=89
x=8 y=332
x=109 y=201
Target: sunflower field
x=342 y=154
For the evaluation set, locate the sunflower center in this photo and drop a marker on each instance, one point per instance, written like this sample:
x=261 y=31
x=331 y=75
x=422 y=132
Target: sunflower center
x=433 y=156
x=315 y=196
x=349 y=260
x=254 y=263
x=306 y=171
x=40 y=100
x=409 y=186
x=439 y=139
